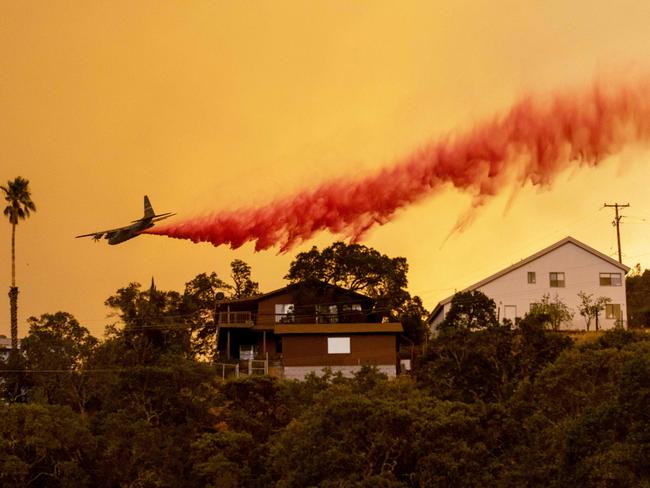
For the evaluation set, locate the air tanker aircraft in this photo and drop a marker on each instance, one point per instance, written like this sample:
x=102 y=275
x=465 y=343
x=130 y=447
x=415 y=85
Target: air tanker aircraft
x=121 y=234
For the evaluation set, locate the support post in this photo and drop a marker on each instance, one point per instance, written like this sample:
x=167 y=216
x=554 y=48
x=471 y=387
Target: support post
x=616 y=223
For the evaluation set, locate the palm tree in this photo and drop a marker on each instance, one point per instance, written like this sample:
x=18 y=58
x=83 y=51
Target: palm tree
x=20 y=205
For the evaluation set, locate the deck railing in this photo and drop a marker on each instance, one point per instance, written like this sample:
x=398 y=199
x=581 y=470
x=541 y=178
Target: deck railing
x=236 y=318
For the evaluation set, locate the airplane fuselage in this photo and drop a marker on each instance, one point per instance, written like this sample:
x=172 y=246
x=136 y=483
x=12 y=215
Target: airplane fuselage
x=121 y=234
x=128 y=233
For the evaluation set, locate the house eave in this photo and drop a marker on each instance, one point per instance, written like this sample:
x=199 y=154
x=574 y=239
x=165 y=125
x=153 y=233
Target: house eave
x=389 y=328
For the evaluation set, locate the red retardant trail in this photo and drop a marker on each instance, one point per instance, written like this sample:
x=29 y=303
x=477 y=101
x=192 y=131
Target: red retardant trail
x=533 y=142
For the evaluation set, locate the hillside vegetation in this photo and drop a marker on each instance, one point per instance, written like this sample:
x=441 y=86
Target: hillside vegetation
x=493 y=407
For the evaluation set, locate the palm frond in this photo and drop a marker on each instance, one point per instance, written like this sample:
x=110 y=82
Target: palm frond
x=18 y=196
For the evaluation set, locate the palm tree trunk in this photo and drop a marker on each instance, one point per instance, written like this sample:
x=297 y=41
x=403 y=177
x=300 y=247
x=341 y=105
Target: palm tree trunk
x=13 y=255
x=13 y=306
x=13 y=294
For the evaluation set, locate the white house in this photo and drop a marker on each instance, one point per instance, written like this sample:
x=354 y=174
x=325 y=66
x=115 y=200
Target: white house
x=563 y=269
x=5 y=346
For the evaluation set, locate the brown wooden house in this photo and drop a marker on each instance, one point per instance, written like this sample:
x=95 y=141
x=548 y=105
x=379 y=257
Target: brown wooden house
x=307 y=327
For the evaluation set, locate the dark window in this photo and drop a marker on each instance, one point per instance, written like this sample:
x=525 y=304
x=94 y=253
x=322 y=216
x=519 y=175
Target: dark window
x=610 y=279
x=327 y=314
x=532 y=278
x=352 y=312
x=556 y=280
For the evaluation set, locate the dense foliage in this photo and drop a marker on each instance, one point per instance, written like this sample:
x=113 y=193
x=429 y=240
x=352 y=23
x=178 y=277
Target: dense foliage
x=486 y=405
x=470 y=310
x=499 y=406
x=638 y=297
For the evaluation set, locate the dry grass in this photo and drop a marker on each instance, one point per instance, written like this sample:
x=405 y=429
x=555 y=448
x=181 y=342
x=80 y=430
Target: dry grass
x=582 y=336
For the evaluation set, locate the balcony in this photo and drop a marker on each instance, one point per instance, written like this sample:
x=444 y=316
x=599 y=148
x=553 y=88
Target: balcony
x=239 y=320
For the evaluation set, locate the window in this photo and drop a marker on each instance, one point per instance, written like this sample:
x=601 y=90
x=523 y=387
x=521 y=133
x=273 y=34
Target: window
x=532 y=278
x=613 y=311
x=338 y=345
x=327 y=314
x=284 y=312
x=556 y=280
x=610 y=279
x=352 y=312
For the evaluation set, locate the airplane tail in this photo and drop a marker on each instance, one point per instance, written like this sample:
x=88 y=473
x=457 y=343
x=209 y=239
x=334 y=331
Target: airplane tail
x=148 y=209
x=150 y=215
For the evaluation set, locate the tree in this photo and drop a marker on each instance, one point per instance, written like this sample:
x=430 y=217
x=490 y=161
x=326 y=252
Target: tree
x=44 y=445
x=413 y=317
x=222 y=459
x=198 y=310
x=19 y=206
x=241 y=276
x=357 y=268
x=590 y=308
x=470 y=310
x=153 y=322
x=59 y=344
x=587 y=421
x=487 y=364
x=554 y=313
x=16 y=381
x=364 y=270
x=158 y=322
x=389 y=435
x=637 y=287
x=150 y=414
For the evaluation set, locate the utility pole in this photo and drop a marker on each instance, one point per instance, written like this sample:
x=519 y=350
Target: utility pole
x=616 y=222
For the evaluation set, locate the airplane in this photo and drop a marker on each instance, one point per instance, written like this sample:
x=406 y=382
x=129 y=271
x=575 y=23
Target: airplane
x=121 y=234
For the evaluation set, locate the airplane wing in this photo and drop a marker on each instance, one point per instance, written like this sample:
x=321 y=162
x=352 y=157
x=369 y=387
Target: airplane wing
x=99 y=234
x=162 y=216
x=155 y=218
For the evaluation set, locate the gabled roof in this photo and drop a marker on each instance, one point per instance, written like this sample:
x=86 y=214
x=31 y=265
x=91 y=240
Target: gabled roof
x=524 y=262
x=290 y=287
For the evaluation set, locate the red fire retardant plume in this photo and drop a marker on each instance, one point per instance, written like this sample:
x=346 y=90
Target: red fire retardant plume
x=533 y=142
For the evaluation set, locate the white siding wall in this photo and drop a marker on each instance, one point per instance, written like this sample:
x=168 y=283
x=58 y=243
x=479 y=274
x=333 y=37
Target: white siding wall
x=299 y=372
x=581 y=273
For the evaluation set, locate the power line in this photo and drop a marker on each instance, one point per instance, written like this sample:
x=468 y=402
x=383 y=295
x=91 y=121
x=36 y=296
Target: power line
x=135 y=368
x=69 y=371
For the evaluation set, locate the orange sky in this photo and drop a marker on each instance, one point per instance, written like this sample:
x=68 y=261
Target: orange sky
x=209 y=105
